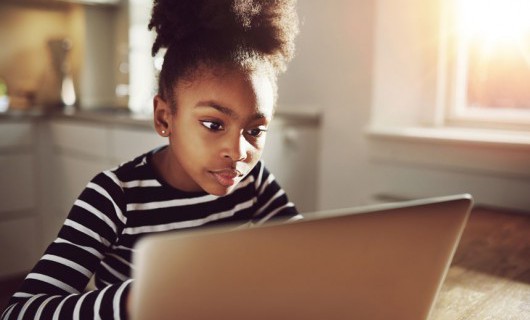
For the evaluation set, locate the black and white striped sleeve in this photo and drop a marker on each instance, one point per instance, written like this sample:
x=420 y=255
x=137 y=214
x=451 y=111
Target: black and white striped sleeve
x=272 y=203
x=54 y=289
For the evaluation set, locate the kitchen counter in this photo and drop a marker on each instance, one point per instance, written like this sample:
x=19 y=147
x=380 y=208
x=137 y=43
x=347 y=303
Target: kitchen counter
x=124 y=117
x=21 y=114
x=115 y=116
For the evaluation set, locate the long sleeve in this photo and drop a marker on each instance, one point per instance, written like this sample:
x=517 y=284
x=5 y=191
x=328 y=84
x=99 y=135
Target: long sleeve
x=55 y=287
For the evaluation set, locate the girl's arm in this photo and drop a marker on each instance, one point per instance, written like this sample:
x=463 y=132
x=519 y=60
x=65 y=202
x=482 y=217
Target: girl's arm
x=54 y=289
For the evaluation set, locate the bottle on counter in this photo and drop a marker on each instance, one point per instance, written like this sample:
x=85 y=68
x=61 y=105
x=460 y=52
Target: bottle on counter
x=60 y=49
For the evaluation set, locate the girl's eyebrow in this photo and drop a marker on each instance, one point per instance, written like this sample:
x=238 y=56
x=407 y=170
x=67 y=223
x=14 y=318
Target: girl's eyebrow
x=225 y=110
x=210 y=104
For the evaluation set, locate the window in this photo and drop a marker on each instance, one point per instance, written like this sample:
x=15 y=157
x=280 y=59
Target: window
x=491 y=80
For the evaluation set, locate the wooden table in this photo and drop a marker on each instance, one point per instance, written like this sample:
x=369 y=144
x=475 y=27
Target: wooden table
x=490 y=274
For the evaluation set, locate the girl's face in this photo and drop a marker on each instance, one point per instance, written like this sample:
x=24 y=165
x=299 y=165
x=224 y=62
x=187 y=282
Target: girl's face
x=217 y=134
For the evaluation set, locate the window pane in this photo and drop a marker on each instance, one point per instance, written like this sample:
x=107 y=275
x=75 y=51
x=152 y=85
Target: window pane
x=499 y=76
x=494 y=54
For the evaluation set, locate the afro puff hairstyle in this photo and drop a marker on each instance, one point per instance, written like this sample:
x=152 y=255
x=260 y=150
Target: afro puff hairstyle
x=217 y=32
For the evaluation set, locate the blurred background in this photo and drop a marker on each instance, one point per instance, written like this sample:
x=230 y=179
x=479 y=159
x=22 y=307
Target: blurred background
x=384 y=101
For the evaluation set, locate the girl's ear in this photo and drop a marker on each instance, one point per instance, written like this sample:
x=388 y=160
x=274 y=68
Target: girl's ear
x=162 y=116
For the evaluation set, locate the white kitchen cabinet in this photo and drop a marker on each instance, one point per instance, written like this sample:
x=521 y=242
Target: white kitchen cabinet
x=15 y=134
x=80 y=152
x=80 y=138
x=71 y=178
x=18 y=203
x=17 y=171
x=19 y=250
x=17 y=190
x=291 y=154
x=128 y=143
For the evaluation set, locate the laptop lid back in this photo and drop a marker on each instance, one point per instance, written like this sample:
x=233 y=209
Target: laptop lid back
x=377 y=262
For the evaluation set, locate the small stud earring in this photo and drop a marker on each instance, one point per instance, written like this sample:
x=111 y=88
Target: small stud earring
x=163 y=131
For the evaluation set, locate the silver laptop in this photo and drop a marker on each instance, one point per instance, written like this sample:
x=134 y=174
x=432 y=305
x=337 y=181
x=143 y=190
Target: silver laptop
x=378 y=262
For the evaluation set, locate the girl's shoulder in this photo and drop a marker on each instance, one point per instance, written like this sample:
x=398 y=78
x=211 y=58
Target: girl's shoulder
x=139 y=168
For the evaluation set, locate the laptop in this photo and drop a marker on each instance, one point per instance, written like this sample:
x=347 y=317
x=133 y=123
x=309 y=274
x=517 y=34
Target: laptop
x=384 y=261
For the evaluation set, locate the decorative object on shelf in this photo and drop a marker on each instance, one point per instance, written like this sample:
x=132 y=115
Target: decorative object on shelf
x=60 y=49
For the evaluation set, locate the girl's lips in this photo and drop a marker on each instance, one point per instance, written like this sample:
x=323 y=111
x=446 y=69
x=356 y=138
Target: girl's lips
x=226 y=177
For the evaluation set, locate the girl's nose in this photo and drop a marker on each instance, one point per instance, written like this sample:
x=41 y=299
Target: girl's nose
x=236 y=148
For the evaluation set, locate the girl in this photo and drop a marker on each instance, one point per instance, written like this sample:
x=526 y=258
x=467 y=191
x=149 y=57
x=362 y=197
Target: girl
x=217 y=91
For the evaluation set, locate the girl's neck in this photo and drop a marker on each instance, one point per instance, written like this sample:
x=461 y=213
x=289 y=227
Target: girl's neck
x=170 y=173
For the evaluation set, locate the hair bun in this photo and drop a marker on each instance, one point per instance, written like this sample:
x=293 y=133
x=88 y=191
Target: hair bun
x=264 y=26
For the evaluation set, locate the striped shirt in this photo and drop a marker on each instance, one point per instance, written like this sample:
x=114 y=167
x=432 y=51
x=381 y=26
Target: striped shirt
x=115 y=210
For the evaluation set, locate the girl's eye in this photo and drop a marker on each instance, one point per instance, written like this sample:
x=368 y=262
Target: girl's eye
x=212 y=125
x=256 y=132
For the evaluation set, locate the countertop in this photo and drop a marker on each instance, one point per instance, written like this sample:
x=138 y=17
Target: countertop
x=123 y=116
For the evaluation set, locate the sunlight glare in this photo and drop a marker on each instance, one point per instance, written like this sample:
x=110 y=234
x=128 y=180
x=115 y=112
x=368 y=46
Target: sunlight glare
x=494 y=21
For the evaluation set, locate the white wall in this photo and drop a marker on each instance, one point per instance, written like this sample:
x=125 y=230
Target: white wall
x=332 y=70
x=100 y=68
x=376 y=62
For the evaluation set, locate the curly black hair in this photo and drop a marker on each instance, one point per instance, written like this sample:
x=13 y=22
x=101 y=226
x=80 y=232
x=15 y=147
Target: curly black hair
x=240 y=32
